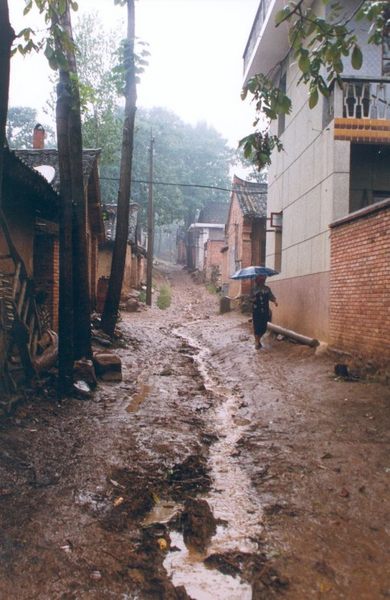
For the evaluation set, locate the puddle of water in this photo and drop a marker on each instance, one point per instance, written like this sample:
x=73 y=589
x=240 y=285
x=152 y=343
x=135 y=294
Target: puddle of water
x=162 y=512
x=231 y=499
x=201 y=583
x=139 y=397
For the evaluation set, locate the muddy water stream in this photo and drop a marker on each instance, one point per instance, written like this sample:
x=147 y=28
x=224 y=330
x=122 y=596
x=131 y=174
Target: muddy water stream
x=230 y=498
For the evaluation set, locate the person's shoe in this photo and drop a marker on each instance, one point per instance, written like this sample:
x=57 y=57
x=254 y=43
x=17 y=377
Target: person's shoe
x=258 y=346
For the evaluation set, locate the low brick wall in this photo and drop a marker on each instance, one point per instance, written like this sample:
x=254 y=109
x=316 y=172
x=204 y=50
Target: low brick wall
x=360 y=283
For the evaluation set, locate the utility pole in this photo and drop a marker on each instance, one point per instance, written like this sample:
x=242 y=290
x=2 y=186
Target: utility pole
x=149 y=266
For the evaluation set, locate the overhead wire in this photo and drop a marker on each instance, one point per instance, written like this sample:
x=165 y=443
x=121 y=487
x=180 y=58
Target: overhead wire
x=191 y=185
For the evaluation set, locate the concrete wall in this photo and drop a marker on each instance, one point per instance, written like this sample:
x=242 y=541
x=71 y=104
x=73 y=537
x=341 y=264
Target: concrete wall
x=309 y=183
x=360 y=283
x=303 y=304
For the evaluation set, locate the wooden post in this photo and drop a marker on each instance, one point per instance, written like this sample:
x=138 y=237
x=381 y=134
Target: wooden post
x=149 y=265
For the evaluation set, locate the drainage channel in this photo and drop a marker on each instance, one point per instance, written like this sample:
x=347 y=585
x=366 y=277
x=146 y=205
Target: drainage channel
x=231 y=500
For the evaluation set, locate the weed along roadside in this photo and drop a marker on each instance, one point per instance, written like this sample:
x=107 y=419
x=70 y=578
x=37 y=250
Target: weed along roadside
x=164 y=296
x=210 y=471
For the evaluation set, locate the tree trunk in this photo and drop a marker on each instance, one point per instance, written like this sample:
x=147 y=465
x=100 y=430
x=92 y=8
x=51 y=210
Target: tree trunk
x=111 y=306
x=74 y=325
x=7 y=36
x=81 y=291
x=66 y=326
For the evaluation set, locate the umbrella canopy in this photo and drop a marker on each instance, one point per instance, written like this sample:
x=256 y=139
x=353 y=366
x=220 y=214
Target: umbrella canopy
x=252 y=272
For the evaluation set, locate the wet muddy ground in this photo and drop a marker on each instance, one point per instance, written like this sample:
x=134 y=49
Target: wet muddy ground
x=212 y=471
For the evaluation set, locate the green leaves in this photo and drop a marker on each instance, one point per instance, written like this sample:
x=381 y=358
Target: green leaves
x=304 y=61
x=282 y=15
x=357 y=58
x=313 y=97
x=258 y=148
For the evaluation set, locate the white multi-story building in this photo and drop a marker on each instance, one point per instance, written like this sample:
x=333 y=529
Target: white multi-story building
x=336 y=161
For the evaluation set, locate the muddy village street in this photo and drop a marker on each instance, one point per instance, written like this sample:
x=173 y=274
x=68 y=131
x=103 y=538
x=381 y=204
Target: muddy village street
x=212 y=471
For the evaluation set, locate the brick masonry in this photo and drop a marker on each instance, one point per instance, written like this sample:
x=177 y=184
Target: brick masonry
x=360 y=283
x=376 y=131
x=46 y=273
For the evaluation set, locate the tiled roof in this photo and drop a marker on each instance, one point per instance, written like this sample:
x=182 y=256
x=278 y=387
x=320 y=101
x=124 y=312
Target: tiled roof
x=251 y=196
x=49 y=156
x=17 y=172
x=110 y=222
x=214 y=212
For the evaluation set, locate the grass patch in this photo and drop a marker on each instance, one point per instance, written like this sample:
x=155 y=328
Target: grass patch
x=142 y=296
x=210 y=287
x=164 y=297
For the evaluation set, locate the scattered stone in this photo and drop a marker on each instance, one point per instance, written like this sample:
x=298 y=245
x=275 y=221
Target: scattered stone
x=108 y=366
x=82 y=389
x=198 y=523
x=132 y=305
x=96 y=575
x=166 y=371
x=224 y=305
x=341 y=370
x=102 y=339
x=83 y=370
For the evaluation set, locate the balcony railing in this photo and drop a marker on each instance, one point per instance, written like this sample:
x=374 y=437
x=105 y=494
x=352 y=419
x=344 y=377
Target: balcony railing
x=255 y=31
x=365 y=99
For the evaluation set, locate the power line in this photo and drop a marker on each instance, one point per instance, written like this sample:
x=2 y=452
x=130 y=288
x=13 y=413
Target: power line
x=191 y=185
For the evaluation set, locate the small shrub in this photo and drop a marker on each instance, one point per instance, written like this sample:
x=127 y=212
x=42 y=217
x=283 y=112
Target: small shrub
x=164 y=298
x=211 y=287
x=142 y=296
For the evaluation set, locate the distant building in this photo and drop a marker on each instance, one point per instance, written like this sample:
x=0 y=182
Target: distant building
x=210 y=225
x=135 y=254
x=244 y=233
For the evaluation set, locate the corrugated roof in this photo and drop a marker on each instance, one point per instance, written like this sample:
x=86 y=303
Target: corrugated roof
x=214 y=212
x=49 y=156
x=251 y=196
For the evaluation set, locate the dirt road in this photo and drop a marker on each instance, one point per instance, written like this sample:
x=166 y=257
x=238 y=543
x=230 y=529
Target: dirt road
x=96 y=496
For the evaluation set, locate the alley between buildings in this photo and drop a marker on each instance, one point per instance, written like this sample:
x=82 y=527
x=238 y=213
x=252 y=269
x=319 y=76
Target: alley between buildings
x=212 y=471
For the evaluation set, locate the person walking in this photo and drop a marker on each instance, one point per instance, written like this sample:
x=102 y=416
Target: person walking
x=260 y=298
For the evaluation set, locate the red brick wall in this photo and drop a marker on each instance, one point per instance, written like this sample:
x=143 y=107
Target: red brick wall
x=47 y=272
x=360 y=282
x=213 y=253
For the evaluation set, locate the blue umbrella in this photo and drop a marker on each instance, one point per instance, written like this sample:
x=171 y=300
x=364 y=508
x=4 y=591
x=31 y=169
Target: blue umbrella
x=252 y=272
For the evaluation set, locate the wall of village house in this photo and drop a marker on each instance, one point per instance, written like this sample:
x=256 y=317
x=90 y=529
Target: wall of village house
x=47 y=273
x=104 y=266
x=359 y=286
x=21 y=224
x=309 y=183
x=213 y=259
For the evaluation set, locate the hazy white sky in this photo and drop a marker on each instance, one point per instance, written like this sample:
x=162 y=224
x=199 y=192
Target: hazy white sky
x=195 y=67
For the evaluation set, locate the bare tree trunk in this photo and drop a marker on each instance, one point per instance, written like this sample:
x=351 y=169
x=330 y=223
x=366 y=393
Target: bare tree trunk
x=74 y=315
x=111 y=306
x=66 y=325
x=7 y=36
x=81 y=291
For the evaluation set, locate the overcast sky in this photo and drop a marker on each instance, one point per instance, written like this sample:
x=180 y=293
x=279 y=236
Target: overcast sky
x=195 y=67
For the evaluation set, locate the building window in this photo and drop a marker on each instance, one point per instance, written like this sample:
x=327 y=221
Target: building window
x=369 y=175
x=277 y=225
